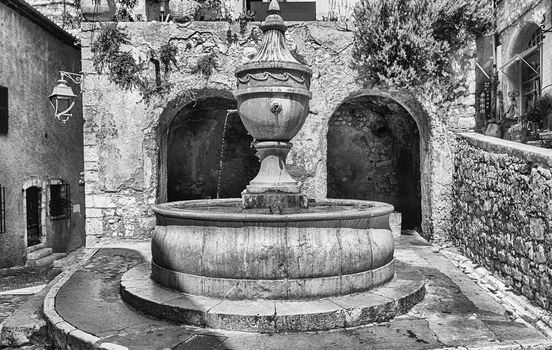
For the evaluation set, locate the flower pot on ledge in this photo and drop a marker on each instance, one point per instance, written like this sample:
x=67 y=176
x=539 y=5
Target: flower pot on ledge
x=98 y=10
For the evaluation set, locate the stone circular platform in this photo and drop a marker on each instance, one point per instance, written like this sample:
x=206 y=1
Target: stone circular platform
x=269 y=316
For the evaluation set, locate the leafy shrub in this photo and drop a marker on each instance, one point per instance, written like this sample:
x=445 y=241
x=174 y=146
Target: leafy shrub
x=206 y=64
x=167 y=55
x=405 y=43
x=106 y=46
x=542 y=107
x=125 y=71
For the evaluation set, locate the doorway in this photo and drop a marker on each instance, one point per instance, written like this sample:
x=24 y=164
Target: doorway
x=33 y=202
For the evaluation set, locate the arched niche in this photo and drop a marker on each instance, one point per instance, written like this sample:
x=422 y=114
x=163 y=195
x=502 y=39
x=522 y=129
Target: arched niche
x=205 y=152
x=377 y=145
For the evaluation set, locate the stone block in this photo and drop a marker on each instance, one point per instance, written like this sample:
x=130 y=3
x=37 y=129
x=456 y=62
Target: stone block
x=536 y=227
x=92 y=213
x=395 y=223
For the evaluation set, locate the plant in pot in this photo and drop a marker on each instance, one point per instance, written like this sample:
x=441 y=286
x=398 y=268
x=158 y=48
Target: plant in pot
x=541 y=109
x=98 y=10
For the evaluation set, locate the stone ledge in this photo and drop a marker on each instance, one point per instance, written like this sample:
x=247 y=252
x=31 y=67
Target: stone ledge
x=271 y=316
x=514 y=149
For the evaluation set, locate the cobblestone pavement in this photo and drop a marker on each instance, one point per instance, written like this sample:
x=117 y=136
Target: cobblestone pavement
x=10 y=303
x=23 y=277
x=17 y=278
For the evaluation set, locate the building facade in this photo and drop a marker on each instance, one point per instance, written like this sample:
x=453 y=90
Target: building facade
x=42 y=204
x=514 y=75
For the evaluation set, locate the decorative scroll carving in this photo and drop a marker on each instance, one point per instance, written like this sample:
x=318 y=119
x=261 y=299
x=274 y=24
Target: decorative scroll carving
x=280 y=77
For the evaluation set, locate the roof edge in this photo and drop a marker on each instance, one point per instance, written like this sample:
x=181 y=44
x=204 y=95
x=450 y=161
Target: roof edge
x=42 y=21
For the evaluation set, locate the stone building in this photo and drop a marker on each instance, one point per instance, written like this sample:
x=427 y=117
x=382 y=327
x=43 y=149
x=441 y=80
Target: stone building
x=41 y=202
x=356 y=142
x=516 y=54
x=502 y=190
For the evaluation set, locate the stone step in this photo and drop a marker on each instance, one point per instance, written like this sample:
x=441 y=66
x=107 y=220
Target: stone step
x=40 y=253
x=272 y=316
x=36 y=247
x=47 y=260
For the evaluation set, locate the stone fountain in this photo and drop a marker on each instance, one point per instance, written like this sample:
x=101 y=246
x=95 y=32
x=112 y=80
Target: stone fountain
x=272 y=261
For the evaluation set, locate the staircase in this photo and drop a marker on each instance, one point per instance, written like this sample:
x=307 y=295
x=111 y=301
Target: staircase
x=39 y=255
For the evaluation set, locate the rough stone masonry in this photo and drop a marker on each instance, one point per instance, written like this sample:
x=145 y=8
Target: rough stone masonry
x=502 y=212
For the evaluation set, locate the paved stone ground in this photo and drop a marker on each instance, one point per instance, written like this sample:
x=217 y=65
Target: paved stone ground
x=14 y=280
x=18 y=278
x=23 y=277
x=10 y=303
x=455 y=312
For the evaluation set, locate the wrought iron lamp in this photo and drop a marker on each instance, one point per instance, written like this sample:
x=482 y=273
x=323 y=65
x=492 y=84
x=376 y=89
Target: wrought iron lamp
x=62 y=97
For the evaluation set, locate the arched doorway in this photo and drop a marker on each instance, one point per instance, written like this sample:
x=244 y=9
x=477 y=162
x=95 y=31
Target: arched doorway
x=196 y=136
x=374 y=154
x=523 y=70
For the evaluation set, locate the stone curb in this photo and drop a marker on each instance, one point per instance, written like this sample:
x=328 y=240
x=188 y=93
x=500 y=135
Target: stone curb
x=518 y=306
x=63 y=334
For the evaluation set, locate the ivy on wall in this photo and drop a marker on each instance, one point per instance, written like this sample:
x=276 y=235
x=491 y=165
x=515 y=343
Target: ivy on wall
x=123 y=69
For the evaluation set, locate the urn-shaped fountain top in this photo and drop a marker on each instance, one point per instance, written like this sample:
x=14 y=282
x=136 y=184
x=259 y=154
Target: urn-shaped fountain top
x=273 y=87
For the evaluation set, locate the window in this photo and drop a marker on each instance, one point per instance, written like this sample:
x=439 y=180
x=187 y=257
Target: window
x=3 y=110
x=60 y=201
x=530 y=72
x=2 y=210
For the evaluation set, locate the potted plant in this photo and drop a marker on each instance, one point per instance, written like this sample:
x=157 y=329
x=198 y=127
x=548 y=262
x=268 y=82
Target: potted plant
x=98 y=10
x=541 y=109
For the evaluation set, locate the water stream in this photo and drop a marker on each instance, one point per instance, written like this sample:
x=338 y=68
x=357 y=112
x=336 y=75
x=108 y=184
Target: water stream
x=221 y=156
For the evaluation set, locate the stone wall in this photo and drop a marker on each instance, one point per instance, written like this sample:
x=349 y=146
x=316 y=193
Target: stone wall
x=38 y=150
x=125 y=137
x=502 y=215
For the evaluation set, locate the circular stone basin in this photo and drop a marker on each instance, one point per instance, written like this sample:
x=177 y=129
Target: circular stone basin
x=215 y=248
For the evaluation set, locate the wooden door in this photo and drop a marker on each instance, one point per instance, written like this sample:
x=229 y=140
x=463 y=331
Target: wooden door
x=34 y=225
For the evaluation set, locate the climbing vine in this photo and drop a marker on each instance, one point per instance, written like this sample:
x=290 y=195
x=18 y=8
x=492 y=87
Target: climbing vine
x=206 y=64
x=123 y=69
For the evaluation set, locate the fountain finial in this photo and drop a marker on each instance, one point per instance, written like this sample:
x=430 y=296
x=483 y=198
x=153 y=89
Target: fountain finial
x=274 y=7
x=273 y=21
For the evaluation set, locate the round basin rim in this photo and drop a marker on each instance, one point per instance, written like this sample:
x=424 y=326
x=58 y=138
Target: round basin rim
x=167 y=210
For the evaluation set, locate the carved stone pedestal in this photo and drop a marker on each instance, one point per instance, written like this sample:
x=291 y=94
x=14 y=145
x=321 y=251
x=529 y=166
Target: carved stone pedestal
x=273 y=187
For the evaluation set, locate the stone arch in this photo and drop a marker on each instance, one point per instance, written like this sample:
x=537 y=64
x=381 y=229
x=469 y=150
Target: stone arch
x=189 y=134
x=409 y=159
x=520 y=37
x=515 y=68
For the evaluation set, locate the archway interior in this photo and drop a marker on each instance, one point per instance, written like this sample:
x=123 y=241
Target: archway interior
x=195 y=139
x=374 y=154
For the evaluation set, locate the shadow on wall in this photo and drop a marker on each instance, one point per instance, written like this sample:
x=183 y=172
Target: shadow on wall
x=374 y=154
x=205 y=159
